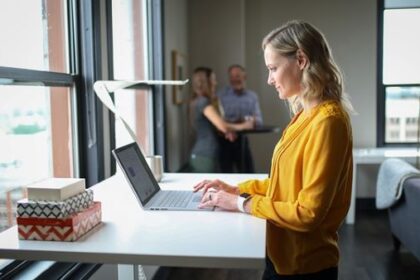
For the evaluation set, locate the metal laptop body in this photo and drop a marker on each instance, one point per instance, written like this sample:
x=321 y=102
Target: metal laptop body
x=145 y=186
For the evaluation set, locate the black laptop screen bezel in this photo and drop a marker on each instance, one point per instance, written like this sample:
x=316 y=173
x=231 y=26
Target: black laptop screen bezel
x=135 y=147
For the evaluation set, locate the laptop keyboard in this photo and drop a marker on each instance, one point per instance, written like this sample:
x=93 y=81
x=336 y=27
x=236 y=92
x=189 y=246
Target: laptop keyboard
x=177 y=199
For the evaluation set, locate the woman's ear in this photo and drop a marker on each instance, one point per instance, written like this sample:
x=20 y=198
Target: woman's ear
x=302 y=59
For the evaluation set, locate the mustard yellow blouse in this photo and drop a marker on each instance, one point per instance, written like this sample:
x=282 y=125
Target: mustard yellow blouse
x=307 y=195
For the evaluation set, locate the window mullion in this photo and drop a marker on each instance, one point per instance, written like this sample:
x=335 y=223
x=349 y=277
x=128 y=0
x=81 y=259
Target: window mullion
x=19 y=76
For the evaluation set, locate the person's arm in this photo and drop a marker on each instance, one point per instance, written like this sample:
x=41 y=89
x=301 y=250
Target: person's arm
x=254 y=186
x=327 y=155
x=213 y=116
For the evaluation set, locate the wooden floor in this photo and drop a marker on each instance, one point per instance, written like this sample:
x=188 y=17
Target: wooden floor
x=366 y=254
x=367 y=251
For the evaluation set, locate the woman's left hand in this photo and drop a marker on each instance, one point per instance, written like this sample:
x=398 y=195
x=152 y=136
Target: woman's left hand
x=220 y=199
x=231 y=136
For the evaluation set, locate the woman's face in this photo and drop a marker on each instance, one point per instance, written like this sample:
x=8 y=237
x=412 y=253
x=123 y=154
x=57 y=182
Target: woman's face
x=200 y=83
x=284 y=73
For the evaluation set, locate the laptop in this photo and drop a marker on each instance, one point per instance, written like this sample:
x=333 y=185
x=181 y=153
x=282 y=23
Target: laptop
x=145 y=186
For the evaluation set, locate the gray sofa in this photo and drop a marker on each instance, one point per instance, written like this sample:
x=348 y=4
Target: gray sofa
x=404 y=218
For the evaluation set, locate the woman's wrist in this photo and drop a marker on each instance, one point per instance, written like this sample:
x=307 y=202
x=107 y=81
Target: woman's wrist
x=242 y=201
x=247 y=206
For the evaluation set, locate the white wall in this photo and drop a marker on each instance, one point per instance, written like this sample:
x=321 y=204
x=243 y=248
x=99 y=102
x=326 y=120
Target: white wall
x=216 y=35
x=177 y=129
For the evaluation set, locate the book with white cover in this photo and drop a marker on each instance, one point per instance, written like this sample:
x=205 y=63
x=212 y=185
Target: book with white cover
x=56 y=189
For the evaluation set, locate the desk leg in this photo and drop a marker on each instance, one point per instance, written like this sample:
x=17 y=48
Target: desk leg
x=351 y=215
x=136 y=272
x=243 y=163
x=127 y=271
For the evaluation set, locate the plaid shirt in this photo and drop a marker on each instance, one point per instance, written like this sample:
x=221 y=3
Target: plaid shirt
x=236 y=106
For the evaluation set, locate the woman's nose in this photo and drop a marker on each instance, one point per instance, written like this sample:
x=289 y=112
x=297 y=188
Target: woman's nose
x=269 y=80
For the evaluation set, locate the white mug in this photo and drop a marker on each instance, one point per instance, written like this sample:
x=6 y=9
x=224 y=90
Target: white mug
x=156 y=165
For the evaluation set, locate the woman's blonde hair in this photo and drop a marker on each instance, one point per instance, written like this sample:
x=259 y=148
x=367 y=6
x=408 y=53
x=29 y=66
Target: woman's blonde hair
x=321 y=78
x=203 y=84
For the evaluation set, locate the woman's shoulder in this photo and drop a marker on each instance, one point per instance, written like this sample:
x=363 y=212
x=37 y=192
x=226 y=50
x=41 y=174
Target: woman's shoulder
x=333 y=115
x=200 y=102
x=331 y=112
x=332 y=109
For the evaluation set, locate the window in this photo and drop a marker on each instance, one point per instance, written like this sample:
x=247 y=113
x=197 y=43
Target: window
x=130 y=63
x=138 y=55
x=399 y=81
x=36 y=99
x=49 y=115
x=39 y=41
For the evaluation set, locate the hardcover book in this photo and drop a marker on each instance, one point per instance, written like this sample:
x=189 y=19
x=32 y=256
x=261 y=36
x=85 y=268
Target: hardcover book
x=69 y=229
x=57 y=189
x=54 y=209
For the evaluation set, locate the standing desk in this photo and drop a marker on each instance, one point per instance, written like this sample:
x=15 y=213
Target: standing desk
x=129 y=235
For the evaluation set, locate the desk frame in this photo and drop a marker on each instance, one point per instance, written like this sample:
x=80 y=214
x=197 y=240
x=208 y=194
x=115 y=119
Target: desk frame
x=375 y=156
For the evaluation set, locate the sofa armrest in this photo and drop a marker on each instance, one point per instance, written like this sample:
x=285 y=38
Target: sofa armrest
x=404 y=217
x=411 y=190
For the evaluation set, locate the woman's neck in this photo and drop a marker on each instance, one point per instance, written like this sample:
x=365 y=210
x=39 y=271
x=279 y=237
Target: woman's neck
x=308 y=105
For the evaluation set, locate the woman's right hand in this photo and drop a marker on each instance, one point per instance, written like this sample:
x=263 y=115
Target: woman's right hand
x=216 y=185
x=249 y=123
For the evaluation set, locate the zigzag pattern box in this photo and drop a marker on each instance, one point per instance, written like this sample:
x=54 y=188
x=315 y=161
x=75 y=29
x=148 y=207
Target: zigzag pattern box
x=68 y=229
x=54 y=209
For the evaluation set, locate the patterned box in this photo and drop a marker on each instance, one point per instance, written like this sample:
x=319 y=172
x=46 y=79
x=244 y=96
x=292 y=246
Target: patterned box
x=54 y=209
x=69 y=229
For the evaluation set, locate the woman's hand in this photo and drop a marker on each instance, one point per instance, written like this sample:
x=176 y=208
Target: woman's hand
x=222 y=199
x=231 y=136
x=217 y=185
x=249 y=123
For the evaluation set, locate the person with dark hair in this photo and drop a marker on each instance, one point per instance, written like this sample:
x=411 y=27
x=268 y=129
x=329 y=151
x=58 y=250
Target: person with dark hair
x=206 y=121
x=238 y=103
x=307 y=195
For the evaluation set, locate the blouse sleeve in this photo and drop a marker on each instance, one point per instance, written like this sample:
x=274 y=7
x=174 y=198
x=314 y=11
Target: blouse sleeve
x=254 y=186
x=325 y=156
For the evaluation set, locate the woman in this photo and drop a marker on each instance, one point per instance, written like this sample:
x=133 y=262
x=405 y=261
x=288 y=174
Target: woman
x=307 y=195
x=212 y=82
x=206 y=121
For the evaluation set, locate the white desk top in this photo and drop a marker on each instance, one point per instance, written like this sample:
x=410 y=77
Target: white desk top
x=377 y=155
x=129 y=235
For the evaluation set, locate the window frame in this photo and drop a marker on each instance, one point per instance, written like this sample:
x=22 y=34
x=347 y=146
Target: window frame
x=22 y=76
x=154 y=70
x=155 y=10
x=93 y=50
x=381 y=87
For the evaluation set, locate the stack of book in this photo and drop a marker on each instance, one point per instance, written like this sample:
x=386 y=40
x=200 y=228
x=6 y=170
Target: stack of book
x=57 y=209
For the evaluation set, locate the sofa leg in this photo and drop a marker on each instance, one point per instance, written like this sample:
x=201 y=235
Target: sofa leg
x=397 y=243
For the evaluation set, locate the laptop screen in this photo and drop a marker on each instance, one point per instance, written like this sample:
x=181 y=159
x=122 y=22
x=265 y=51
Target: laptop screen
x=137 y=171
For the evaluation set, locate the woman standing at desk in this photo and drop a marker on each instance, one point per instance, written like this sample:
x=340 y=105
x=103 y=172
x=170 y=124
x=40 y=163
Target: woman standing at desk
x=307 y=195
x=206 y=120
